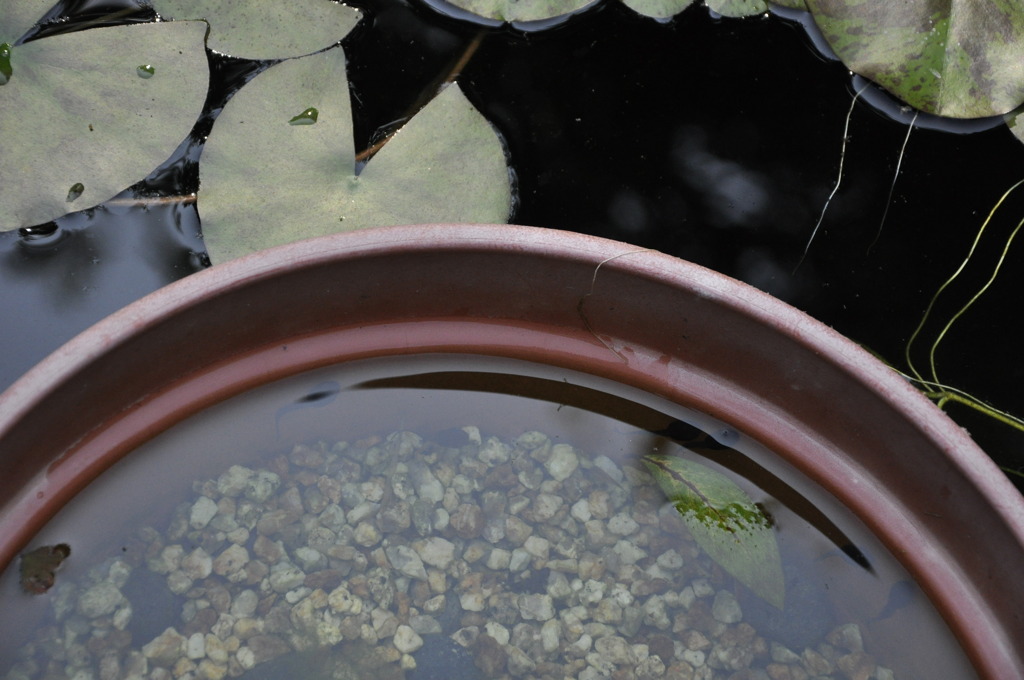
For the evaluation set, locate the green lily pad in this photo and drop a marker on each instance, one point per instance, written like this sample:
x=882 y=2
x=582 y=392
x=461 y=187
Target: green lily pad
x=791 y=4
x=737 y=8
x=725 y=522
x=955 y=58
x=521 y=10
x=657 y=9
x=267 y=30
x=265 y=181
x=77 y=122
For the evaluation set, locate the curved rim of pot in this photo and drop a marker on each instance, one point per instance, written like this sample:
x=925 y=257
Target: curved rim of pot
x=633 y=315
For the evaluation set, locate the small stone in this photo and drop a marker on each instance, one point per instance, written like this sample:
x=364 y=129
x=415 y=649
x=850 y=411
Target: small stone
x=650 y=668
x=234 y=481
x=343 y=602
x=847 y=637
x=494 y=452
x=726 y=609
x=406 y=640
x=261 y=486
x=472 y=601
x=490 y=656
x=497 y=631
x=244 y=604
x=366 y=534
x=516 y=530
x=562 y=462
x=197 y=565
x=231 y=561
x=628 y=552
x=165 y=649
x=405 y=560
x=436 y=551
x=203 y=510
x=519 y=664
x=99 y=600
x=610 y=468
x=284 y=576
x=499 y=559
x=551 y=635
x=581 y=510
x=168 y=559
x=544 y=507
x=856 y=666
x=622 y=524
x=534 y=607
x=266 y=647
x=178 y=582
x=608 y=611
x=615 y=650
x=467 y=520
x=538 y=547
x=519 y=560
x=195 y=647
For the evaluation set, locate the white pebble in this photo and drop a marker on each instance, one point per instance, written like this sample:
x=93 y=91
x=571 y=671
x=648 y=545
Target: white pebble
x=406 y=640
x=203 y=510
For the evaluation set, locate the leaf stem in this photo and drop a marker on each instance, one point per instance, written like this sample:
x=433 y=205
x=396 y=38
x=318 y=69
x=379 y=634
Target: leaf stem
x=426 y=96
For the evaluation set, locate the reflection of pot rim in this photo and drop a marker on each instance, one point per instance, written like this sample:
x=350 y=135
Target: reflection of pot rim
x=638 y=317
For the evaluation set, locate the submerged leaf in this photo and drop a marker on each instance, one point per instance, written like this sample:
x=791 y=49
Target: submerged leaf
x=75 y=111
x=725 y=522
x=267 y=30
x=956 y=58
x=265 y=182
x=39 y=567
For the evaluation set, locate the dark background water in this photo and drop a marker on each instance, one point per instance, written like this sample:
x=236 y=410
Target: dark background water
x=714 y=140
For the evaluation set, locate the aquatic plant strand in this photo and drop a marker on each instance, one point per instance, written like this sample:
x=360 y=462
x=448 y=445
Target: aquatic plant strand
x=895 y=176
x=839 y=177
x=938 y=391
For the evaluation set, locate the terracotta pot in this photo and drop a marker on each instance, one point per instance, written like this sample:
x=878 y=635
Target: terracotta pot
x=608 y=309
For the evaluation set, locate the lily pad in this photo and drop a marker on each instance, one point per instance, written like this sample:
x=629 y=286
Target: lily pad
x=521 y=10
x=266 y=181
x=657 y=9
x=955 y=58
x=75 y=111
x=737 y=8
x=267 y=30
x=725 y=522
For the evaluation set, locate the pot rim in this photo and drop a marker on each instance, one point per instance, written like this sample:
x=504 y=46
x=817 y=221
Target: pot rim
x=994 y=654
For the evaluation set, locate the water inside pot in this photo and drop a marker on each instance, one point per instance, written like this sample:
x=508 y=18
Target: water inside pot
x=453 y=516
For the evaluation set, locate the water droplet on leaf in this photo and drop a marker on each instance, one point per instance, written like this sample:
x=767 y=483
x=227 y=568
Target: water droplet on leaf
x=145 y=71
x=307 y=117
x=75 y=191
x=5 y=63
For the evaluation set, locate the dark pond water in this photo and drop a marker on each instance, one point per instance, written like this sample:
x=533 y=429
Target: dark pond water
x=518 y=510
x=714 y=140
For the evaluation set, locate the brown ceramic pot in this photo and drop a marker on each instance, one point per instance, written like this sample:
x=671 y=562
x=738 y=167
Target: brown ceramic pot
x=609 y=309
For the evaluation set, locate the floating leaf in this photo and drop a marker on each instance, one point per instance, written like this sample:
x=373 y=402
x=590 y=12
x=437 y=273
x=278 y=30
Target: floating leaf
x=737 y=8
x=267 y=30
x=264 y=182
x=521 y=10
x=657 y=9
x=75 y=111
x=39 y=567
x=956 y=58
x=725 y=522
x=791 y=4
